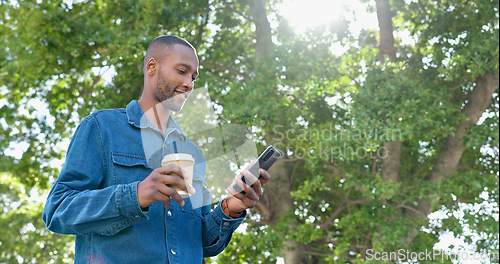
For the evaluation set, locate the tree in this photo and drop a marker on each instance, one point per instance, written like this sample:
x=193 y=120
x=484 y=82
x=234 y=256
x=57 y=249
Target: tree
x=374 y=140
x=54 y=55
x=401 y=150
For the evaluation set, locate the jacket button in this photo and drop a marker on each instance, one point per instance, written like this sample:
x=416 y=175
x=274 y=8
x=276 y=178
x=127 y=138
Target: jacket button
x=226 y=223
x=169 y=213
x=173 y=251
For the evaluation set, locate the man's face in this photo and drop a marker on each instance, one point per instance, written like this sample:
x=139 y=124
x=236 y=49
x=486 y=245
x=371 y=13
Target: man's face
x=176 y=76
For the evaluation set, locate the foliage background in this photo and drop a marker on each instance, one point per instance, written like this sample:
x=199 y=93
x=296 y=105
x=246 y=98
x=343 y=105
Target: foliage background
x=432 y=102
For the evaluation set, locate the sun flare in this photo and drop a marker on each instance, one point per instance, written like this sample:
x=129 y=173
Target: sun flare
x=307 y=14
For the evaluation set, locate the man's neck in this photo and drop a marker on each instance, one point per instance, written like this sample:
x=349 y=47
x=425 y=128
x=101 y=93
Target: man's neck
x=157 y=114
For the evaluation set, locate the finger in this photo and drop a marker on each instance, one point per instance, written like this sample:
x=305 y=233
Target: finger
x=236 y=194
x=190 y=188
x=181 y=183
x=170 y=192
x=177 y=197
x=166 y=203
x=173 y=172
x=250 y=193
x=257 y=187
x=250 y=178
x=265 y=177
x=239 y=201
x=157 y=192
x=173 y=180
x=235 y=191
x=169 y=169
x=173 y=194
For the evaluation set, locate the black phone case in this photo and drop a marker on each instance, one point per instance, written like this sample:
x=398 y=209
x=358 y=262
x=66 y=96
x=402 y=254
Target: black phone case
x=265 y=161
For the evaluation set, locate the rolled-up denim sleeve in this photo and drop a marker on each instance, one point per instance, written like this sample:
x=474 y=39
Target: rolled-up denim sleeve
x=76 y=204
x=218 y=229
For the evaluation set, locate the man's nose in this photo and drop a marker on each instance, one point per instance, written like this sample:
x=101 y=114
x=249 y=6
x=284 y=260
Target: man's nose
x=189 y=84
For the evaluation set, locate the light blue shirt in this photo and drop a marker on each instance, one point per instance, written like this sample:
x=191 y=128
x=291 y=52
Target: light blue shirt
x=95 y=196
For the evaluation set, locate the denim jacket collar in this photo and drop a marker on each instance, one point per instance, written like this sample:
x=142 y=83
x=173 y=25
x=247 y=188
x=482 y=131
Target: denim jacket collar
x=135 y=113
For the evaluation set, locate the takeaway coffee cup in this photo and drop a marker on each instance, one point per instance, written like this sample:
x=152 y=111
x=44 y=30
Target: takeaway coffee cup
x=184 y=161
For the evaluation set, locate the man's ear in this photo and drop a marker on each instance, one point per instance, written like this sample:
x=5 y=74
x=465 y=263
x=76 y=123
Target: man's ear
x=151 y=67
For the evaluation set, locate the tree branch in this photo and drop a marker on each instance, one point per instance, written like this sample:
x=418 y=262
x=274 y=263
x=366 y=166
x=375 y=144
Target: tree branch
x=478 y=101
x=411 y=209
x=453 y=148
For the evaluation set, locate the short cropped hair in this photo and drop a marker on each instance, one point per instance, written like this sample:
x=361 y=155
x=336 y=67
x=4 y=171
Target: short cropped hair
x=159 y=47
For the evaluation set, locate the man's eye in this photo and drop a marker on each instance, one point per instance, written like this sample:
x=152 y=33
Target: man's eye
x=181 y=71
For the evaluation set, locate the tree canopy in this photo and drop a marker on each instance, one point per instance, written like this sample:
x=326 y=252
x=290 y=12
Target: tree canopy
x=400 y=126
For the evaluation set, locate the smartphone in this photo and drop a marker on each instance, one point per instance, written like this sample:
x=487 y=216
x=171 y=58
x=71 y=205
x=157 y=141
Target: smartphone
x=265 y=161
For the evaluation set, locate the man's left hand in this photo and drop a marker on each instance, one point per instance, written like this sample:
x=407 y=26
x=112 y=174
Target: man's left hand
x=237 y=202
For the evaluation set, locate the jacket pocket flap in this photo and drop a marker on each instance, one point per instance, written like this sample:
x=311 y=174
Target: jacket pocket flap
x=129 y=160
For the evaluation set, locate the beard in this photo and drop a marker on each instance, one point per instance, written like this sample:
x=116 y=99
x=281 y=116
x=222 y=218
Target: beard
x=165 y=94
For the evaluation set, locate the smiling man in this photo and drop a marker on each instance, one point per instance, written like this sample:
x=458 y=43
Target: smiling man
x=116 y=198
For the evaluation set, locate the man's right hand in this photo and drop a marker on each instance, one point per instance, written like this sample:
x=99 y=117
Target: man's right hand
x=158 y=186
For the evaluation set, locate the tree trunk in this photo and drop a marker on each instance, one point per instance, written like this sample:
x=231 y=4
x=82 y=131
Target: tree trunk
x=384 y=16
x=276 y=200
x=295 y=253
x=391 y=158
x=264 y=45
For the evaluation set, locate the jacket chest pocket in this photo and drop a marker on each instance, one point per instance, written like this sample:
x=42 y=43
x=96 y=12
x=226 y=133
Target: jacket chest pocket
x=128 y=168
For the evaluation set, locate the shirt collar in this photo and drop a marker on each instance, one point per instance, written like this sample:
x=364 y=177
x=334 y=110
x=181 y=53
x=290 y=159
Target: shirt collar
x=135 y=114
x=173 y=125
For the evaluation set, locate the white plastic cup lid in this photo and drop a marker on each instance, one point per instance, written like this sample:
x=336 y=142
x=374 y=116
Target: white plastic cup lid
x=177 y=156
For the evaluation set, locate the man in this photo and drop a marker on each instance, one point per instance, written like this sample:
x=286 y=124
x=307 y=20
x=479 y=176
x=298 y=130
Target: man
x=118 y=201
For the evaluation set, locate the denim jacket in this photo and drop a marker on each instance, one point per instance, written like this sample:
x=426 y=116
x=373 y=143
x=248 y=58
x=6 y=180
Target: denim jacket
x=95 y=196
